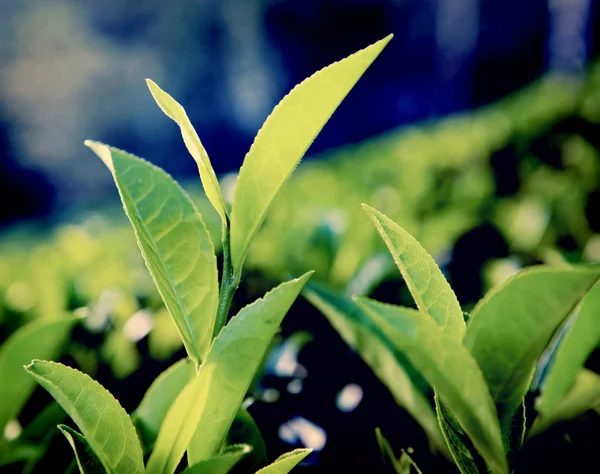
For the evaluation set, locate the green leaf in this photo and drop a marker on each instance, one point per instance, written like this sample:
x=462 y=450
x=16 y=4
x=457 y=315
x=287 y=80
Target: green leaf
x=583 y=396
x=87 y=462
x=424 y=279
x=180 y=423
x=152 y=410
x=105 y=425
x=38 y=339
x=465 y=457
x=377 y=350
x=176 y=112
x=286 y=462
x=174 y=242
x=237 y=353
x=579 y=341
x=284 y=138
x=449 y=368
x=510 y=327
x=222 y=463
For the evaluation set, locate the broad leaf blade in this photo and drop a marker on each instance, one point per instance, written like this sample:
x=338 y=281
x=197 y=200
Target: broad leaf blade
x=286 y=462
x=105 y=425
x=38 y=339
x=174 y=242
x=424 y=279
x=449 y=368
x=176 y=112
x=152 y=410
x=391 y=367
x=236 y=354
x=87 y=462
x=222 y=463
x=581 y=338
x=511 y=326
x=283 y=140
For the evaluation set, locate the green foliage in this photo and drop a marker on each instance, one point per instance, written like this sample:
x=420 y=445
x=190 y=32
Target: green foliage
x=187 y=410
x=221 y=463
x=283 y=140
x=512 y=325
x=174 y=242
x=86 y=460
x=152 y=410
x=105 y=425
x=481 y=379
x=286 y=462
x=176 y=112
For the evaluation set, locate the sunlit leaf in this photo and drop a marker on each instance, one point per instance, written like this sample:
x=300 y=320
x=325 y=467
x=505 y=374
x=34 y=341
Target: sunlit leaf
x=180 y=423
x=449 y=368
x=174 y=242
x=149 y=415
x=286 y=462
x=222 y=463
x=176 y=112
x=580 y=339
x=105 y=425
x=512 y=325
x=377 y=350
x=236 y=354
x=38 y=339
x=283 y=140
x=86 y=460
x=427 y=284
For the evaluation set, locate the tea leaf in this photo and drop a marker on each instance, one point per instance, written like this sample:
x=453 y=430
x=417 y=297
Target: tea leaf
x=286 y=462
x=152 y=410
x=176 y=112
x=424 y=279
x=284 y=138
x=449 y=368
x=391 y=367
x=180 y=423
x=174 y=242
x=510 y=327
x=222 y=463
x=105 y=425
x=87 y=462
x=236 y=354
x=458 y=442
x=37 y=339
x=579 y=341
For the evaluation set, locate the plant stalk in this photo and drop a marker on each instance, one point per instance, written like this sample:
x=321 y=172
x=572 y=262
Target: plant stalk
x=229 y=283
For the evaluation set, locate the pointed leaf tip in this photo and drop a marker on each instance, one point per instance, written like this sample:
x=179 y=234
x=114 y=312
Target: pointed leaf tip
x=102 y=151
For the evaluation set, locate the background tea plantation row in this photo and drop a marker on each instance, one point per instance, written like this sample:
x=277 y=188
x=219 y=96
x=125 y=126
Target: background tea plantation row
x=487 y=193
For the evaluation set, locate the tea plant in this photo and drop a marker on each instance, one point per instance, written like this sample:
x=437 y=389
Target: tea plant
x=191 y=407
x=480 y=367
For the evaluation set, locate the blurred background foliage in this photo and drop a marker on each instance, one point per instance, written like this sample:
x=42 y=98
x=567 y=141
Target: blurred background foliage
x=501 y=171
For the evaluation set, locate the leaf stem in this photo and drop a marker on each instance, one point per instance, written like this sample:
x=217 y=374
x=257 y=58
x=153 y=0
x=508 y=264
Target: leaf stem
x=229 y=283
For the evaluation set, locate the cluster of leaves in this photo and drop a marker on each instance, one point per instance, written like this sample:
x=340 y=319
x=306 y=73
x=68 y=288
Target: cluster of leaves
x=438 y=180
x=542 y=318
x=191 y=407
